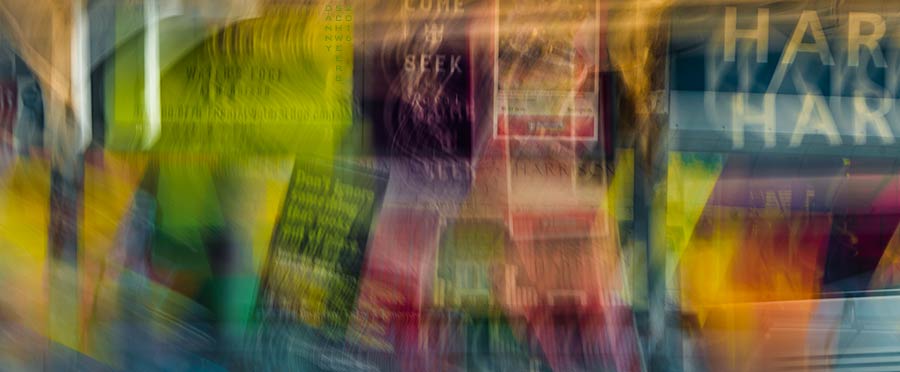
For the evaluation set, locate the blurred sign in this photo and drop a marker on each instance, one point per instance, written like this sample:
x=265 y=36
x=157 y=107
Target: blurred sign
x=784 y=78
x=272 y=84
x=546 y=65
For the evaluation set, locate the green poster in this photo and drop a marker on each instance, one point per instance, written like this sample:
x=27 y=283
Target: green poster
x=277 y=83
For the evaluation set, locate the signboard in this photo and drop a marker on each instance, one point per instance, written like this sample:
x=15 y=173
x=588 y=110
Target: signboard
x=791 y=78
